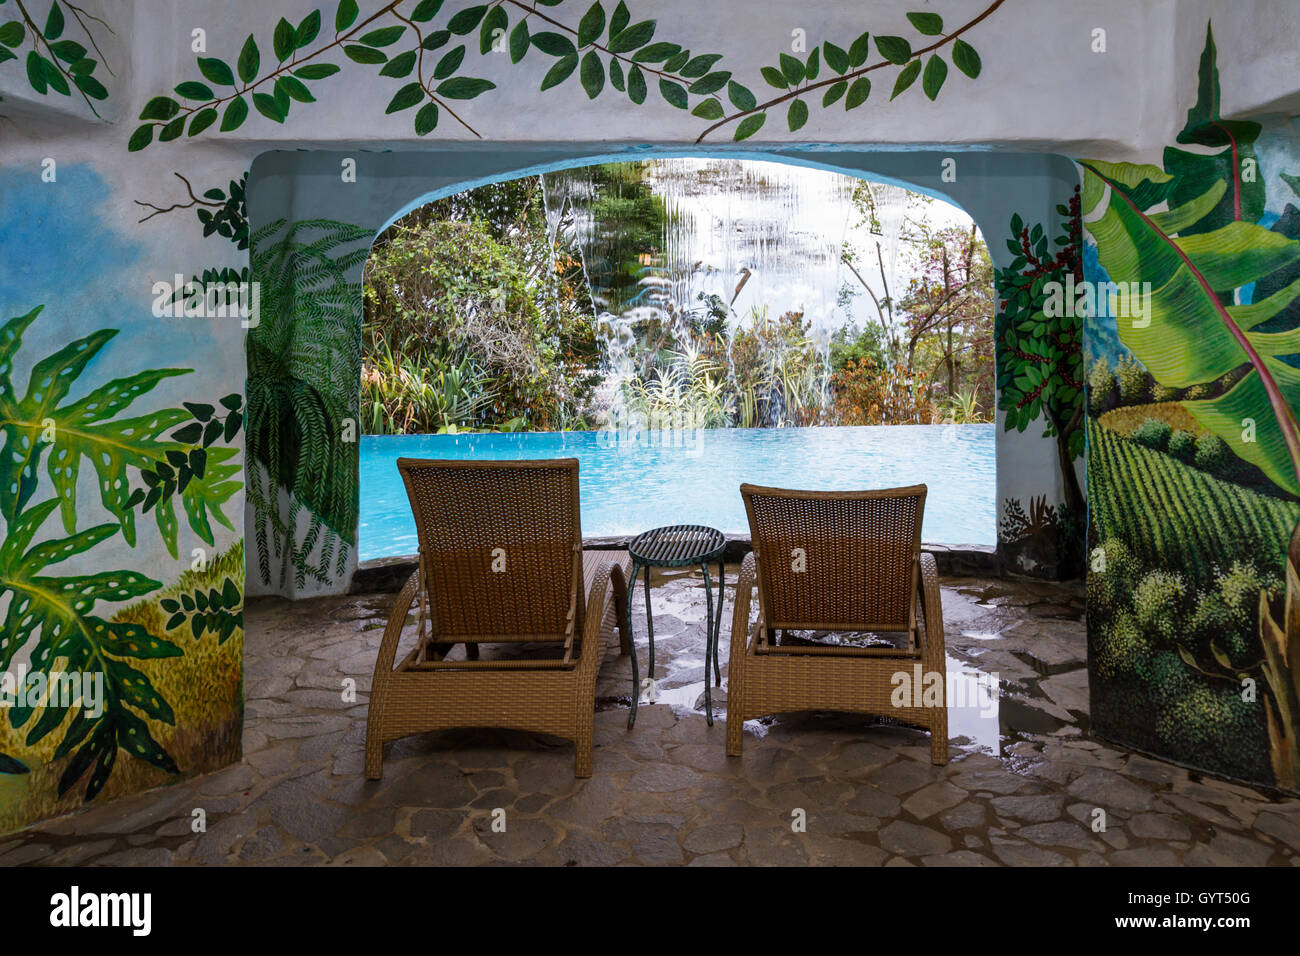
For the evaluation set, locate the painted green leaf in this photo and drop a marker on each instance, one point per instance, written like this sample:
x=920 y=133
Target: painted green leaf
x=554 y=44
x=307 y=30
x=364 y=54
x=466 y=20
x=835 y=91
x=268 y=107
x=774 y=77
x=859 y=50
x=741 y=97
x=346 y=14
x=593 y=73
x=159 y=108
x=495 y=26
x=813 y=66
x=636 y=85
x=216 y=71
x=678 y=63
x=12 y=33
x=426 y=120
x=965 y=58
x=436 y=40
x=560 y=72
x=449 y=63
x=384 y=36
x=519 y=41
x=293 y=87
x=236 y=113
x=592 y=24
x=172 y=130
x=859 y=90
x=464 y=87
x=36 y=75
x=906 y=77
x=11 y=765
x=54 y=22
x=69 y=51
x=400 y=65
x=749 y=126
x=282 y=40
x=797 y=115
x=931 y=24
x=616 y=78
x=141 y=138
x=405 y=98
x=936 y=71
x=54 y=77
x=710 y=83
x=90 y=86
x=837 y=58
x=250 y=59
x=192 y=90
x=316 y=71
x=619 y=20
x=426 y=10
x=634 y=37
x=709 y=109
x=656 y=53
x=791 y=69
x=695 y=67
x=894 y=49
x=674 y=93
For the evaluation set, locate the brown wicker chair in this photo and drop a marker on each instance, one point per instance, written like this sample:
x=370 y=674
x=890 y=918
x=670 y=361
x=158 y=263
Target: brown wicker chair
x=835 y=561
x=501 y=562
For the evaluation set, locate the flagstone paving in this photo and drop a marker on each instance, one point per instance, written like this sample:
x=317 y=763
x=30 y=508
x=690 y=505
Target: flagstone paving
x=1026 y=784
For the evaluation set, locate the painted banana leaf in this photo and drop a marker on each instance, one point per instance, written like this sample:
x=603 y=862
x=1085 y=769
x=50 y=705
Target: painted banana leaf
x=1192 y=333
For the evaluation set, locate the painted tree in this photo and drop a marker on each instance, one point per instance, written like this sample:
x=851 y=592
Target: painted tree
x=1040 y=356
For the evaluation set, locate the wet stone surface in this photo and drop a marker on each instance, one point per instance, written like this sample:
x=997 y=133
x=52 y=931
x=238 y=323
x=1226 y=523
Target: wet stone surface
x=1023 y=786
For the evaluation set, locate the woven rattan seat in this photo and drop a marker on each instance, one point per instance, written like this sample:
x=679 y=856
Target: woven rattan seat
x=840 y=561
x=501 y=563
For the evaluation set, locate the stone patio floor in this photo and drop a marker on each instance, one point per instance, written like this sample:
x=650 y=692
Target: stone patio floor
x=1021 y=787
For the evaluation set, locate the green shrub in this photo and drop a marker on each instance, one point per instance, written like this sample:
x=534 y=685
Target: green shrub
x=1100 y=384
x=1158 y=605
x=1212 y=454
x=1153 y=433
x=1182 y=445
x=1164 y=393
x=1133 y=382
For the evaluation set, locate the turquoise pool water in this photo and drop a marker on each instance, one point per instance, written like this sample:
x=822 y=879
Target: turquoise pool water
x=630 y=483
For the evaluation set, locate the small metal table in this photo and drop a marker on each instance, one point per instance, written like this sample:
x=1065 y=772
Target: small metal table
x=677 y=546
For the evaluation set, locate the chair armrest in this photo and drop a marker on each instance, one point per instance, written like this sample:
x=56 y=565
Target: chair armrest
x=740 y=612
x=393 y=629
x=932 y=640
x=606 y=574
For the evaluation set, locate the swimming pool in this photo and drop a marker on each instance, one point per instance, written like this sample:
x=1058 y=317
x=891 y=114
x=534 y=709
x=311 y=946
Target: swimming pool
x=633 y=482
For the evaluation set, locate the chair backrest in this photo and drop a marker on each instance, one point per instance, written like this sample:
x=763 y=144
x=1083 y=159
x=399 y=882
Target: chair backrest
x=500 y=546
x=837 y=560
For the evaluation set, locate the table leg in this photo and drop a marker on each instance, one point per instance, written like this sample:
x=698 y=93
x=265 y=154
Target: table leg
x=717 y=626
x=709 y=638
x=636 y=677
x=649 y=626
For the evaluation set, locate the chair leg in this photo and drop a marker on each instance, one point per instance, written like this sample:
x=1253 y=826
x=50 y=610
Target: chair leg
x=374 y=768
x=939 y=738
x=735 y=731
x=583 y=746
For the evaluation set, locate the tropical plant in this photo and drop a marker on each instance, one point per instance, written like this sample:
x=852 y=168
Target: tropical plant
x=1040 y=355
x=54 y=61
x=302 y=415
x=687 y=392
x=51 y=617
x=605 y=50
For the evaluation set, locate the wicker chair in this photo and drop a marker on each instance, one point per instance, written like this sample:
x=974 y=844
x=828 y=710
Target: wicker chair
x=501 y=562
x=836 y=561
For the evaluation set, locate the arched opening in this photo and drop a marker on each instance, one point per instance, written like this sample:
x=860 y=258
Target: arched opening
x=681 y=325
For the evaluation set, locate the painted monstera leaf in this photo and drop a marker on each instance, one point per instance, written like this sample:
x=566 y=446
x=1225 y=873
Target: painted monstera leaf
x=40 y=421
x=1191 y=333
x=56 y=612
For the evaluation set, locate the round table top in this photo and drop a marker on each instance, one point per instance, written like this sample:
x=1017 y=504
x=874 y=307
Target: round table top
x=676 y=545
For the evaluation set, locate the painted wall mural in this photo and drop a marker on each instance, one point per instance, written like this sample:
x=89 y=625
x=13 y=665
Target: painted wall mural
x=125 y=411
x=1194 y=450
